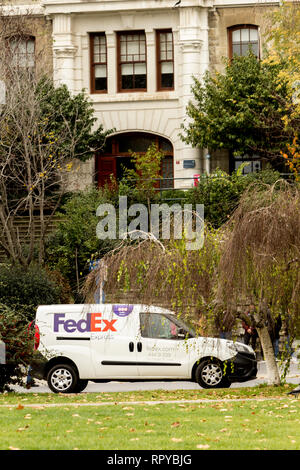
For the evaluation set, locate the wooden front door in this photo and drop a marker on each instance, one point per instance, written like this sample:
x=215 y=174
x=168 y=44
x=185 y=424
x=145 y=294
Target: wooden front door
x=106 y=167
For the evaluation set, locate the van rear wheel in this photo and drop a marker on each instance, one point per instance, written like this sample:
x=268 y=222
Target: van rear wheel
x=210 y=374
x=62 y=378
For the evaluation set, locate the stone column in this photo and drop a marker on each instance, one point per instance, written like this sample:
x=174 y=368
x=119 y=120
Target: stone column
x=112 y=66
x=151 y=61
x=193 y=41
x=64 y=51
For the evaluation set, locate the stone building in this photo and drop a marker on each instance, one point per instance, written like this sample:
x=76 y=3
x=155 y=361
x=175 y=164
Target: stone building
x=136 y=60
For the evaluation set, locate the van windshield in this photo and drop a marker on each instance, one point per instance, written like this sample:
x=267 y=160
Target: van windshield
x=181 y=324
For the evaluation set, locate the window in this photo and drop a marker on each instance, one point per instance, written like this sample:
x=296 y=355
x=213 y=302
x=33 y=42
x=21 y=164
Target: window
x=132 y=61
x=22 y=51
x=98 y=63
x=156 y=325
x=165 y=60
x=252 y=164
x=242 y=39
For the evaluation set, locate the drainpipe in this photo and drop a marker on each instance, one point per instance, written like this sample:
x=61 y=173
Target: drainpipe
x=207 y=163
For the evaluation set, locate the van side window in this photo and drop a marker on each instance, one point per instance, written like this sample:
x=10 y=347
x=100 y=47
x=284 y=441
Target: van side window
x=156 y=325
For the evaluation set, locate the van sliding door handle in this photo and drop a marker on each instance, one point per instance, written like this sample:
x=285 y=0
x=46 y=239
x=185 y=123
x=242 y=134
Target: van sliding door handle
x=131 y=346
x=139 y=347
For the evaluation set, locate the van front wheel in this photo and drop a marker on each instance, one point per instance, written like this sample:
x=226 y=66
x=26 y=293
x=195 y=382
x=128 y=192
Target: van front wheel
x=210 y=374
x=62 y=378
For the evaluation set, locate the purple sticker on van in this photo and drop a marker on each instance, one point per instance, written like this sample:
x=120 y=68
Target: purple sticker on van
x=122 y=310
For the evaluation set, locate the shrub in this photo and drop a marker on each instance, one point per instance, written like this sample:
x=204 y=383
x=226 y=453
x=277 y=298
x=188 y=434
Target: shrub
x=19 y=346
x=75 y=242
x=24 y=290
x=220 y=192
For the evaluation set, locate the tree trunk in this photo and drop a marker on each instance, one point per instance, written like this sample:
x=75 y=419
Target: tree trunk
x=267 y=347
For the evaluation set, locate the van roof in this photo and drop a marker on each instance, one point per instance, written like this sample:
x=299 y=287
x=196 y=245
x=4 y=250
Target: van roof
x=79 y=307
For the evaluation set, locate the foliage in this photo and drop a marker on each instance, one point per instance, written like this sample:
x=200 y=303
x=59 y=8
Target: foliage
x=292 y=157
x=168 y=275
x=243 y=110
x=69 y=115
x=23 y=290
x=259 y=260
x=282 y=37
x=74 y=244
x=144 y=177
x=43 y=128
x=221 y=192
x=18 y=344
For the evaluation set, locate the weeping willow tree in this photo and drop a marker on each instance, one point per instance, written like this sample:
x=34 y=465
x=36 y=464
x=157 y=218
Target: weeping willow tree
x=259 y=262
x=166 y=275
x=252 y=260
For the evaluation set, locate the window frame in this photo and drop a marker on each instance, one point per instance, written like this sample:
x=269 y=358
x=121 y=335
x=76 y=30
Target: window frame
x=120 y=63
x=159 y=61
x=94 y=64
x=231 y=29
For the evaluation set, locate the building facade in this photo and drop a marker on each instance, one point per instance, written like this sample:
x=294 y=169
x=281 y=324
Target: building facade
x=136 y=59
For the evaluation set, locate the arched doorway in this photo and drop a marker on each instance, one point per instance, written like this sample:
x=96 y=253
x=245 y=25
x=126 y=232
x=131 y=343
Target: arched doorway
x=116 y=155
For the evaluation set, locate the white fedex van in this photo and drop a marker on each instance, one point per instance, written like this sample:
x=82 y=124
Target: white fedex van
x=104 y=342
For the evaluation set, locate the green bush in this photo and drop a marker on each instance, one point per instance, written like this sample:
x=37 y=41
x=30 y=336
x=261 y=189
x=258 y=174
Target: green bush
x=75 y=243
x=220 y=192
x=24 y=290
x=19 y=343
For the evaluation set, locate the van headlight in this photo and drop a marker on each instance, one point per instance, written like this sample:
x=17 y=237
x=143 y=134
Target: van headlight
x=241 y=348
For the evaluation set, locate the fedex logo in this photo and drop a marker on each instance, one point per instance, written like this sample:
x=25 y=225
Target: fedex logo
x=93 y=322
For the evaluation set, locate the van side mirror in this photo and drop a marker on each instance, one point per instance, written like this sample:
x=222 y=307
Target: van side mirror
x=182 y=333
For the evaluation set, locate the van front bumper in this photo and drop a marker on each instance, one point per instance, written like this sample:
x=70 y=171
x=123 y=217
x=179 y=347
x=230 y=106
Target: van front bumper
x=243 y=367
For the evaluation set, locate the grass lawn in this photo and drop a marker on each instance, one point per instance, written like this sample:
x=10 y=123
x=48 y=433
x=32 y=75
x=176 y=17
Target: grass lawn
x=248 y=418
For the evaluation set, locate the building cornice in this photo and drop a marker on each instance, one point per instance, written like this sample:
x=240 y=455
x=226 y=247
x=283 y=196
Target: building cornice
x=244 y=3
x=118 y=6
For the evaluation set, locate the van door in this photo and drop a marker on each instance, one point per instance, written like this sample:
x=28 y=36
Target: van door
x=162 y=348
x=113 y=344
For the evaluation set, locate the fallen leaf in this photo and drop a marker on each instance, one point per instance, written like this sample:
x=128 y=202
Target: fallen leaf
x=20 y=407
x=23 y=429
x=175 y=425
x=175 y=439
x=203 y=446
